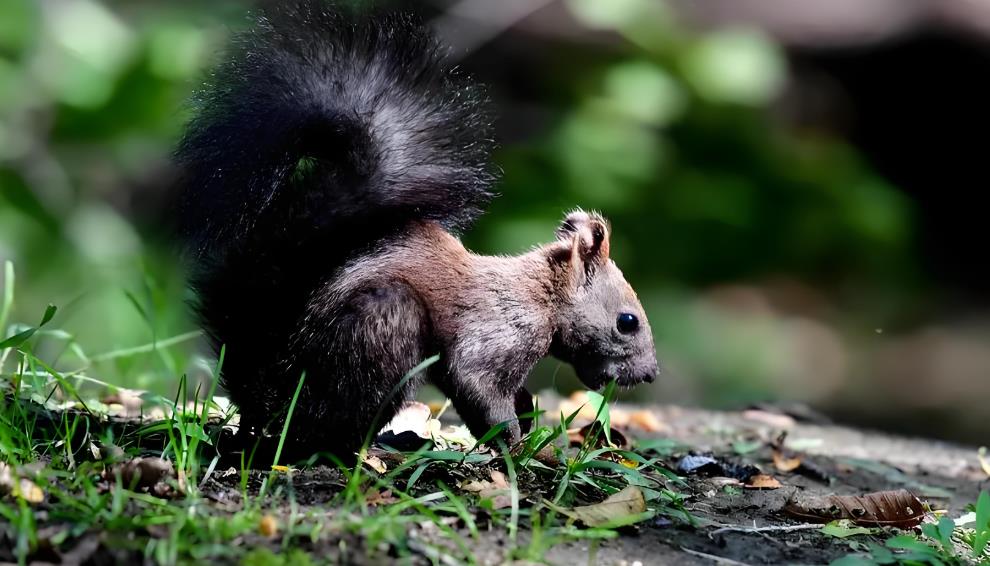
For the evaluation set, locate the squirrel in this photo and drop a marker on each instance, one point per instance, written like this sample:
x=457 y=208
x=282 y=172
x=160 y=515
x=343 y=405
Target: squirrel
x=329 y=166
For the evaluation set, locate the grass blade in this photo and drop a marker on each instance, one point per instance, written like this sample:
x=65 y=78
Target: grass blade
x=21 y=337
x=8 y=295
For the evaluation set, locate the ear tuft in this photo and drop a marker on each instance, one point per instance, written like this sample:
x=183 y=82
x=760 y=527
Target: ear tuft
x=588 y=236
x=572 y=224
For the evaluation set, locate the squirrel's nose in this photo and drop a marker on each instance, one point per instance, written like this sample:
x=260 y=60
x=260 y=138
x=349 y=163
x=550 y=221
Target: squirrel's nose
x=651 y=373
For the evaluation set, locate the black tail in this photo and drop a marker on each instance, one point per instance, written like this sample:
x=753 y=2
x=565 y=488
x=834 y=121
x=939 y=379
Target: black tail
x=352 y=114
x=326 y=131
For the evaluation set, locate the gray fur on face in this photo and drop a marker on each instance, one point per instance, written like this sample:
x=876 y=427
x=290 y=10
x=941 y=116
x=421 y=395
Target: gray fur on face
x=588 y=334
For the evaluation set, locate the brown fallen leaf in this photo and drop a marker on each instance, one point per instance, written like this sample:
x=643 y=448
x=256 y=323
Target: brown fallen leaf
x=774 y=420
x=497 y=490
x=647 y=421
x=626 y=504
x=412 y=417
x=577 y=402
x=124 y=402
x=619 y=416
x=785 y=464
x=577 y=437
x=762 y=481
x=110 y=452
x=786 y=461
x=375 y=497
x=268 y=526
x=142 y=473
x=20 y=487
x=898 y=508
x=375 y=463
x=547 y=456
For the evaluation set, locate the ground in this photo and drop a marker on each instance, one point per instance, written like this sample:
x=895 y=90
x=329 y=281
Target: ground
x=492 y=508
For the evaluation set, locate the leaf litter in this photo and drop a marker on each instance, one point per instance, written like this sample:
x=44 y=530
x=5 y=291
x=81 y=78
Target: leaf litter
x=626 y=506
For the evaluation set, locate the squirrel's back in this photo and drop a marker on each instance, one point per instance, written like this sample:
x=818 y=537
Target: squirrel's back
x=324 y=133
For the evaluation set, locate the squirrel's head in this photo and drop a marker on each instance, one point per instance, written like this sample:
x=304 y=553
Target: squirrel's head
x=601 y=328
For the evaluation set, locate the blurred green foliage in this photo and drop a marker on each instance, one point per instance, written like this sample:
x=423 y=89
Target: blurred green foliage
x=673 y=135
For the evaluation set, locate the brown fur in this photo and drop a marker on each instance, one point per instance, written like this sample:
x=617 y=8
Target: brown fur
x=492 y=318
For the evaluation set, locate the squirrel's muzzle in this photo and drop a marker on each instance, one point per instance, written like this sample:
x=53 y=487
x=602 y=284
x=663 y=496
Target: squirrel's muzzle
x=626 y=371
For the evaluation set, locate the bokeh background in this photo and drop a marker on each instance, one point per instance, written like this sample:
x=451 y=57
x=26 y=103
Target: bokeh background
x=794 y=186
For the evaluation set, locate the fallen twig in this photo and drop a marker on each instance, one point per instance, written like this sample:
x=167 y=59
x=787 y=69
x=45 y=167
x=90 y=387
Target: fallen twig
x=780 y=528
x=714 y=558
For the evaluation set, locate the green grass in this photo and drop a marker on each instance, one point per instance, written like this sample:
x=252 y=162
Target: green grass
x=53 y=434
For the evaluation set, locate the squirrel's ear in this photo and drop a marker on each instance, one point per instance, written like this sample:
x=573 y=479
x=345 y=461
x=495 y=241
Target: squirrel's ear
x=589 y=232
x=588 y=239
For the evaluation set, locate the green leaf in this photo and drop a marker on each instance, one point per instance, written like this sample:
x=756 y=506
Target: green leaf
x=414 y=477
x=742 y=447
x=844 y=529
x=599 y=402
x=982 y=534
x=854 y=560
x=662 y=446
x=945 y=528
x=193 y=430
x=492 y=433
x=914 y=549
x=21 y=337
x=455 y=456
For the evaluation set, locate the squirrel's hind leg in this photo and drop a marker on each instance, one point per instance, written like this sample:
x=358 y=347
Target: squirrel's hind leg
x=357 y=357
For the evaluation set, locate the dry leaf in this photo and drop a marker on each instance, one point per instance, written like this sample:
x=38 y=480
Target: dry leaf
x=375 y=497
x=624 y=504
x=124 y=402
x=19 y=487
x=899 y=508
x=762 y=481
x=547 y=456
x=497 y=490
x=619 y=416
x=140 y=473
x=984 y=463
x=459 y=435
x=498 y=479
x=774 y=420
x=577 y=436
x=268 y=526
x=784 y=464
x=109 y=452
x=29 y=491
x=578 y=401
x=647 y=421
x=412 y=417
x=375 y=463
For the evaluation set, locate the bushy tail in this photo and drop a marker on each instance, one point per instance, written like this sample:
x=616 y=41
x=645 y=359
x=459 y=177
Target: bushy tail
x=324 y=132
x=325 y=115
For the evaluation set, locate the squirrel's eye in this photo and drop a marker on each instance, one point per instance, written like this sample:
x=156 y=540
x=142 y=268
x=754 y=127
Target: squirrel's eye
x=627 y=323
